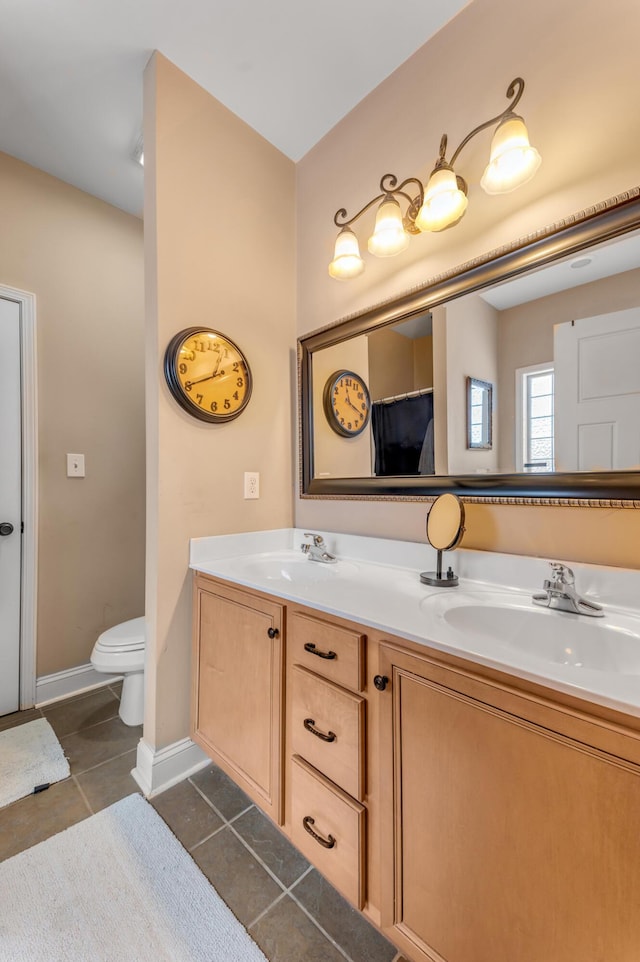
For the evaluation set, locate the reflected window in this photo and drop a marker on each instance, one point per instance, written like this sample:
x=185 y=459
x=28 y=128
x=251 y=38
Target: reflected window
x=535 y=392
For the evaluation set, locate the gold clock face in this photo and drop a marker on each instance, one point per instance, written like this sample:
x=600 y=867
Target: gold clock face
x=207 y=374
x=347 y=404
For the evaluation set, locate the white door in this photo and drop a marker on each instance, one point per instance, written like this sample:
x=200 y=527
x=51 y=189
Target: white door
x=10 y=505
x=597 y=392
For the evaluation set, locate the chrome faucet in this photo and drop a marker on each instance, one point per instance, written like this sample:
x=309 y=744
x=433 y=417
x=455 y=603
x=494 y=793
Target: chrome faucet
x=317 y=550
x=559 y=592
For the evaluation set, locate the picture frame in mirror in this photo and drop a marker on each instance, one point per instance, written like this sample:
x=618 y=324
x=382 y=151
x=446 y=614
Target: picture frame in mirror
x=479 y=414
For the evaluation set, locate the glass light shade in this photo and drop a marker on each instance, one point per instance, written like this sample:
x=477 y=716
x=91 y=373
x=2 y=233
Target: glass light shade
x=444 y=202
x=513 y=160
x=346 y=261
x=389 y=236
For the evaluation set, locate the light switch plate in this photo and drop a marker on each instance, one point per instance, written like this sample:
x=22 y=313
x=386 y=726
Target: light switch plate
x=75 y=465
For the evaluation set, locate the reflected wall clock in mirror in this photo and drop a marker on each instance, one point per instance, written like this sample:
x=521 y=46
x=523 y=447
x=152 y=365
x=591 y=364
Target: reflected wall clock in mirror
x=347 y=404
x=208 y=375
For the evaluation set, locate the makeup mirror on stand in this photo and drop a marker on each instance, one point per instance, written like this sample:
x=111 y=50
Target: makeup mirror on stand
x=445 y=527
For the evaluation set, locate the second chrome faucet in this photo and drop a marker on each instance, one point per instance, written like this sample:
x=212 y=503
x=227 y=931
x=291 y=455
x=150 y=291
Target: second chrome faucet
x=560 y=593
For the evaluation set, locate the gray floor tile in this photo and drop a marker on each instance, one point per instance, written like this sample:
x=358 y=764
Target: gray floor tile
x=97 y=744
x=35 y=818
x=187 y=814
x=357 y=937
x=219 y=789
x=285 y=934
x=82 y=712
x=19 y=718
x=237 y=877
x=271 y=846
x=109 y=782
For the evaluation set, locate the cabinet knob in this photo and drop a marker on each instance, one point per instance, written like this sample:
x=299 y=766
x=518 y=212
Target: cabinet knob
x=6 y=528
x=381 y=682
x=273 y=632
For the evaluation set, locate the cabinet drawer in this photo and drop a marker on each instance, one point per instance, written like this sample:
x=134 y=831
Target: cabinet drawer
x=337 y=653
x=327 y=728
x=338 y=821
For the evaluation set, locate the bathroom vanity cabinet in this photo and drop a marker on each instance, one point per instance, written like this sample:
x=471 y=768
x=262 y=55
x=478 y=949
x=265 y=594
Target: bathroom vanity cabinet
x=237 y=695
x=473 y=816
x=509 y=822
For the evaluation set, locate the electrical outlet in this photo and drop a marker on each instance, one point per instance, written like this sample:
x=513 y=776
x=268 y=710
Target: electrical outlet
x=251 y=485
x=75 y=465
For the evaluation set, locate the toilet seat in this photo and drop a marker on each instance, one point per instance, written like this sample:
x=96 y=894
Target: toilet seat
x=127 y=636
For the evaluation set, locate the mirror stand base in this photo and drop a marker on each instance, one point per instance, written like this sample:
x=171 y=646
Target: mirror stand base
x=449 y=580
x=436 y=578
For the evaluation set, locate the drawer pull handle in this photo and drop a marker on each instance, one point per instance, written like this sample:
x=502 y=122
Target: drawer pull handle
x=307 y=822
x=309 y=723
x=311 y=648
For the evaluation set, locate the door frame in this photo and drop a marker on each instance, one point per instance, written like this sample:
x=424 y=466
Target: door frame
x=29 y=552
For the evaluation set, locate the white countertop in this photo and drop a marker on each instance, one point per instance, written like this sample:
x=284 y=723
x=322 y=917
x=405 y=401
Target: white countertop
x=376 y=583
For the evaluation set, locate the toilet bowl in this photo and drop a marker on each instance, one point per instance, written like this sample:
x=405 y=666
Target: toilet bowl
x=120 y=651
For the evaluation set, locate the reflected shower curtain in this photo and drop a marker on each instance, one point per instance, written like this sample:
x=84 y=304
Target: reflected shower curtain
x=403 y=435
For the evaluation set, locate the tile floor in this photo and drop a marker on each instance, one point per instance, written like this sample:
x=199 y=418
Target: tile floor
x=289 y=909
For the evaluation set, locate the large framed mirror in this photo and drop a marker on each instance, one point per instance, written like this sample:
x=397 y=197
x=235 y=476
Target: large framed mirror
x=552 y=322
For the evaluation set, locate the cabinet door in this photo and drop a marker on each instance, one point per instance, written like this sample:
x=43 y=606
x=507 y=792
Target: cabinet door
x=237 y=711
x=504 y=842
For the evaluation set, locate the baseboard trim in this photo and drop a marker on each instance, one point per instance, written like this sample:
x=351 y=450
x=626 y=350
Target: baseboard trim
x=156 y=771
x=73 y=681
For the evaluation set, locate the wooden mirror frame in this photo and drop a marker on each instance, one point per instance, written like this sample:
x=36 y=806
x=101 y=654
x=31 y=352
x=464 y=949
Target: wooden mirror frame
x=606 y=221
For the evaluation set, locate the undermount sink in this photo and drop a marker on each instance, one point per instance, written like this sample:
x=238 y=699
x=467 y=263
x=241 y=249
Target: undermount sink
x=296 y=570
x=610 y=644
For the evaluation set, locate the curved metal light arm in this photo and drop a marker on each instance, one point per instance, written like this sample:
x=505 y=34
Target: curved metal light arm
x=387 y=186
x=515 y=91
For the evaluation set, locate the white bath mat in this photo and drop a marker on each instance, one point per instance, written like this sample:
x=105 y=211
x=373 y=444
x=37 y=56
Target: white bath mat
x=118 y=887
x=30 y=756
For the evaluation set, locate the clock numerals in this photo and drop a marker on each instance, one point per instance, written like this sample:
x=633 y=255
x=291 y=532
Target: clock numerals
x=346 y=403
x=207 y=374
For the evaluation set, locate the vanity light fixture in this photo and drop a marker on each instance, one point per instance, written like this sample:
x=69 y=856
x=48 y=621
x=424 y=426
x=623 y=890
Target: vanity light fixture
x=443 y=202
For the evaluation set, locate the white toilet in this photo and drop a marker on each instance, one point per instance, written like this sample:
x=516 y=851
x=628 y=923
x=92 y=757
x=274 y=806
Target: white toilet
x=120 y=651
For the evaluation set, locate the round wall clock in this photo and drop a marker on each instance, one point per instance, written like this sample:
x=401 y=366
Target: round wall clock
x=207 y=374
x=347 y=404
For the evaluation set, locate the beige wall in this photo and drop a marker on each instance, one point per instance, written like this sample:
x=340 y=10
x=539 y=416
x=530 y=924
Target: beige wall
x=526 y=337
x=83 y=259
x=219 y=251
x=472 y=351
x=398 y=364
x=390 y=364
x=579 y=62
x=423 y=362
x=335 y=456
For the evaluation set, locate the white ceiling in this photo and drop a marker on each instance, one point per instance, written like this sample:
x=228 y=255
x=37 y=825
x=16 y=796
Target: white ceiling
x=71 y=72
x=604 y=260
